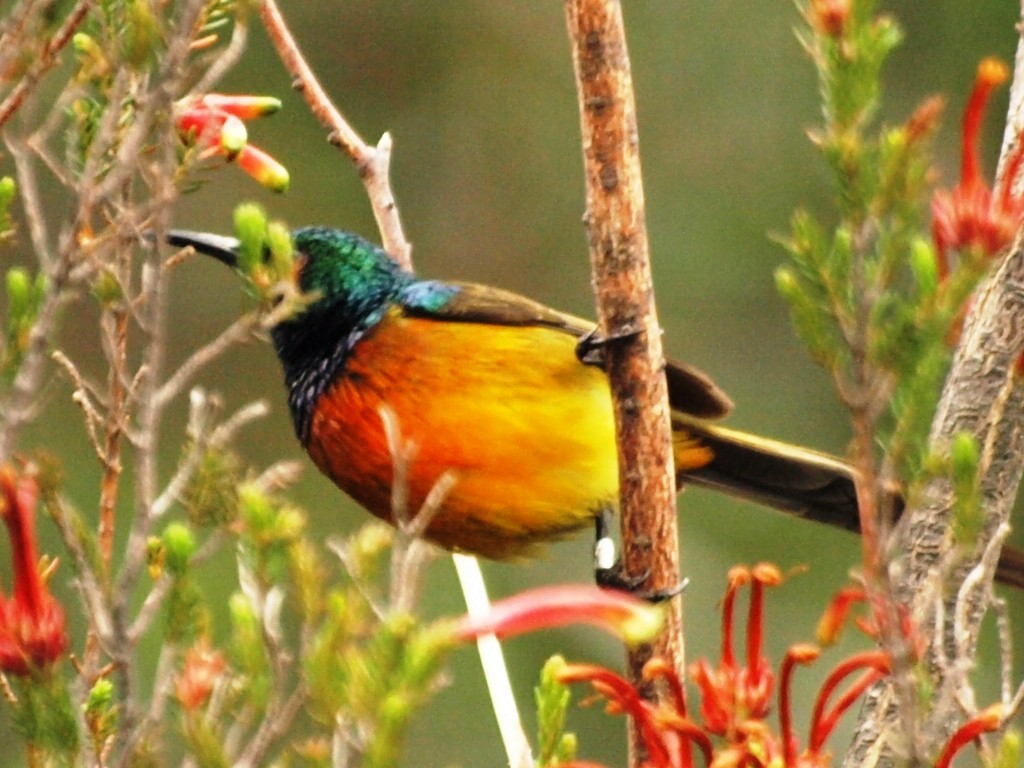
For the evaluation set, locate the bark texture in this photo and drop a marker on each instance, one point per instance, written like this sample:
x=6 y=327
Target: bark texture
x=625 y=305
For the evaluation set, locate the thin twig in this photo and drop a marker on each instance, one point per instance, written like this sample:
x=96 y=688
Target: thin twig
x=275 y=724
x=239 y=331
x=31 y=199
x=83 y=396
x=227 y=58
x=115 y=323
x=372 y=163
x=47 y=58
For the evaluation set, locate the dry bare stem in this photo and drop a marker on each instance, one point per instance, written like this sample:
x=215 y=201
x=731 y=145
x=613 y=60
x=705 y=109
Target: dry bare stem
x=372 y=162
x=44 y=62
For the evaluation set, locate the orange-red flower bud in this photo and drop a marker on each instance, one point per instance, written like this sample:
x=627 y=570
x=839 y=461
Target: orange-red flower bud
x=199 y=676
x=214 y=122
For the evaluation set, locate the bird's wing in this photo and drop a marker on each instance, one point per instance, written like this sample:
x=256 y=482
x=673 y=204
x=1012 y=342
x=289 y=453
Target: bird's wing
x=690 y=390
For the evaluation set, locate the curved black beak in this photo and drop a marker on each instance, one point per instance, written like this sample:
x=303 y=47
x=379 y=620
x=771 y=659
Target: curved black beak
x=220 y=247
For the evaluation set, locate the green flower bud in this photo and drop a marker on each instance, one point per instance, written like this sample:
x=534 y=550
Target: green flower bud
x=925 y=266
x=281 y=251
x=19 y=291
x=100 y=697
x=251 y=230
x=179 y=546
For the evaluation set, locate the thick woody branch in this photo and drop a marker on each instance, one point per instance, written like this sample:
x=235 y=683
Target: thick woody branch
x=625 y=304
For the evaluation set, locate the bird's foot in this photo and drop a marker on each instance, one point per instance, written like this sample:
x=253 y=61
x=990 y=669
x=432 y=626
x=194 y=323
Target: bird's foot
x=615 y=578
x=591 y=345
x=609 y=572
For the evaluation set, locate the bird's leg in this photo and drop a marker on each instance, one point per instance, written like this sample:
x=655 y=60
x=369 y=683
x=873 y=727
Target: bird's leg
x=590 y=346
x=608 y=570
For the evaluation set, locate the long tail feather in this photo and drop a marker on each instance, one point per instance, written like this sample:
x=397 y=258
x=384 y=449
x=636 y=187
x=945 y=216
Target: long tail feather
x=799 y=481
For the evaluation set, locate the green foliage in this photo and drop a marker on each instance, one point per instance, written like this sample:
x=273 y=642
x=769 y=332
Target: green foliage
x=101 y=714
x=140 y=35
x=218 y=14
x=271 y=528
x=554 y=745
x=204 y=742
x=178 y=545
x=371 y=672
x=186 y=616
x=248 y=655
x=211 y=496
x=8 y=191
x=251 y=231
x=968 y=516
x=106 y=289
x=870 y=300
x=44 y=716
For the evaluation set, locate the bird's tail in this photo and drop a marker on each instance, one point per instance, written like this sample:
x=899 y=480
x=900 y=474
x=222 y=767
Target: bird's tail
x=796 y=480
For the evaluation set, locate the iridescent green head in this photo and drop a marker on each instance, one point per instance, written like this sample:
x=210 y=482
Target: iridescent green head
x=350 y=282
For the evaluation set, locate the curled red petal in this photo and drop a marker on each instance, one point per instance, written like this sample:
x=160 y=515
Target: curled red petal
x=988 y=720
x=877 y=660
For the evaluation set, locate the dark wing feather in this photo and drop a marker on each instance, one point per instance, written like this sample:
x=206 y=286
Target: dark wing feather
x=690 y=390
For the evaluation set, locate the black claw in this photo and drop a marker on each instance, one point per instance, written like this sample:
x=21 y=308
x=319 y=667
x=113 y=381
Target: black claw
x=591 y=345
x=614 y=578
x=609 y=573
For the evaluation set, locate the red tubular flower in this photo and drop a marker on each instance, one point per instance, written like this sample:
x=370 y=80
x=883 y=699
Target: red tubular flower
x=689 y=732
x=214 y=122
x=625 y=698
x=658 y=668
x=834 y=618
x=31 y=622
x=732 y=694
x=802 y=653
x=986 y=721
x=877 y=664
x=971 y=215
x=629 y=618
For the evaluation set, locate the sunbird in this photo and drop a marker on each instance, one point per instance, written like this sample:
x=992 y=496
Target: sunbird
x=498 y=389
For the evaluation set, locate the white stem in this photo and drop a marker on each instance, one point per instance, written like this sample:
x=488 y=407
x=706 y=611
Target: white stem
x=517 y=748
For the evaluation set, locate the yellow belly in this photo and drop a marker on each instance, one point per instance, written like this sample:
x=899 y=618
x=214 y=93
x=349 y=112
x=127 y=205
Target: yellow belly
x=527 y=430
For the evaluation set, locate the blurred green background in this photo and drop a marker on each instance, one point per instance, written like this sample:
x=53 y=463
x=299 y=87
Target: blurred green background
x=480 y=100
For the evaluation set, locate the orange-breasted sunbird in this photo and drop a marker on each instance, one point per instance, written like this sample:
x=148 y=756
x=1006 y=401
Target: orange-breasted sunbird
x=491 y=385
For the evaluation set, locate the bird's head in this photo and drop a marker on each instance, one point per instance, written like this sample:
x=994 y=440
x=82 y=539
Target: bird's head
x=348 y=283
x=339 y=271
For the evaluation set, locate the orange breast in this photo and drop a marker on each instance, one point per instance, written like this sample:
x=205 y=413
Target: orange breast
x=527 y=430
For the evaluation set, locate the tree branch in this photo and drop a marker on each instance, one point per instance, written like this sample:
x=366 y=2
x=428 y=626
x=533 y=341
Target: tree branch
x=620 y=263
